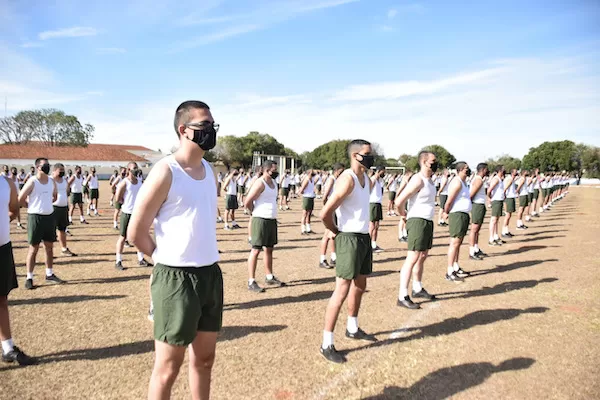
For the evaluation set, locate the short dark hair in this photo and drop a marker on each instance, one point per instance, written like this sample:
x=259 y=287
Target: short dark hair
x=380 y=168
x=39 y=160
x=423 y=156
x=499 y=168
x=58 y=166
x=338 y=166
x=356 y=144
x=481 y=166
x=267 y=164
x=460 y=166
x=182 y=114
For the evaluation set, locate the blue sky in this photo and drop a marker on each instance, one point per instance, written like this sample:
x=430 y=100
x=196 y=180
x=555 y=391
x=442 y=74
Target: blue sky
x=480 y=78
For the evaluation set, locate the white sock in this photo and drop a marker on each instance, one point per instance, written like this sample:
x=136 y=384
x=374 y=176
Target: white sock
x=492 y=238
x=456 y=266
x=115 y=224
x=30 y=275
x=49 y=272
x=250 y=281
x=496 y=237
x=504 y=230
x=70 y=219
x=119 y=257
x=7 y=346
x=472 y=251
x=308 y=228
x=373 y=244
x=327 y=339
x=417 y=286
x=323 y=258
x=528 y=218
x=233 y=223
x=269 y=276
x=333 y=256
x=476 y=247
x=519 y=222
x=450 y=270
x=81 y=218
x=405 y=232
x=403 y=293
x=140 y=255
x=303 y=228
x=64 y=248
x=352 y=325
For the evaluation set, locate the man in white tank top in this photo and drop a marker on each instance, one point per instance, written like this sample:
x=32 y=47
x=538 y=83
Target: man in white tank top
x=326 y=241
x=420 y=194
x=179 y=195
x=523 y=192
x=9 y=209
x=392 y=188
x=510 y=201
x=402 y=232
x=117 y=205
x=496 y=195
x=307 y=190
x=285 y=191
x=478 y=197
x=37 y=196
x=443 y=196
x=258 y=171
x=375 y=206
x=457 y=210
x=113 y=188
x=350 y=202
x=261 y=201
x=92 y=183
x=230 y=185
x=241 y=185
x=127 y=191
x=536 y=192
x=14 y=176
x=61 y=208
x=75 y=183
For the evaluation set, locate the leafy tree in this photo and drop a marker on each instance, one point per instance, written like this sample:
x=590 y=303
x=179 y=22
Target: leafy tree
x=554 y=156
x=507 y=161
x=590 y=162
x=391 y=162
x=327 y=154
x=229 y=150
x=444 y=157
x=410 y=162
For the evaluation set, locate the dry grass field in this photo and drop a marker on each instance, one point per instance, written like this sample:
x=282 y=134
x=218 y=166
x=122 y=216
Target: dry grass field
x=526 y=325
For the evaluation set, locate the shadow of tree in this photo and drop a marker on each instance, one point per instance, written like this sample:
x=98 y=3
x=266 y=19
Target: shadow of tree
x=116 y=279
x=61 y=299
x=511 y=267
x=322 y=295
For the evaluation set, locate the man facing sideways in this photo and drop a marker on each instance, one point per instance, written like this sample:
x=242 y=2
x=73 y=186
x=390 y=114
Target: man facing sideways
x=510 y=201
x=496 y=195
x=261 y=201
x=187 y=285
x=61 y=208
x=375 y=206
x=9 y=209
x=37 y=196
x=350 y=202
x=402 y=232
x=231 y=199
x=285 y=191
x=457 y=208
x=478 y=197
x=443 y=195
x=92 y=184
x=327 y=241
x=113 y=177
x=420 y=194
x=307 y=190
x=76 y=188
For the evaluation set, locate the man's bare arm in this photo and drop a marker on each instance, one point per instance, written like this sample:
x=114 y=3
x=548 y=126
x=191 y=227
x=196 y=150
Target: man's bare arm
x=25 y=192
x=13 y=203
x=452 y=194
x=255 y=190
x=475 y=186
x=343 y=188
x=412 y=187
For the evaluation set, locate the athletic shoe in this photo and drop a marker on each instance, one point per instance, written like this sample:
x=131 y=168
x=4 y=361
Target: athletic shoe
x=310 y=232
x=29 y=284
x=325 y=265
x=116 y=228
x=253 y=287
x=500 y=242
x=507 y=235
x=493 y=243
x=54 y=279
x=360 y=335
x=20 y=226
x=16 y=355
x=332 y=263
x=144 y=263
x=480 y=253
x=236 y=226
x=475 y=257
x=84 y=222
x=119 y=266
x=510 y=234
x=521 y=228
x=423 y=294
x=274 y=282
x=227 y=228
x=151 y=315
x=377 y=249
x=331 y=354
x=407 y=303
x=462 y=272
x=454 y=277
x=68 y=232
x=127 y=244
x=68 y=253
x=219 y=220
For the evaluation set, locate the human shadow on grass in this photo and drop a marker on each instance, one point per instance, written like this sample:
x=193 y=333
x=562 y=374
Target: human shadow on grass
x=233 y=260
x=305 y=239
x=449 y=381
x=313 y=296
x=116 y=279
x=533 y=239
x=237 y=332
x=331 y=279
x=520 y=250
x=449 y=326
x=550 y=225
x=510 y=267
x=389 y=259
x=62 y=299
x=80 y=260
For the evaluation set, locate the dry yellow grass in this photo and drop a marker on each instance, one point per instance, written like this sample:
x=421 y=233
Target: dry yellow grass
x=525 y=326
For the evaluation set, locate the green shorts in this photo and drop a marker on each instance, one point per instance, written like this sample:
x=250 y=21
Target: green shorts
x=61 y=218
x=318 y=187
x=529 y=197
x=478 y=213
x=40 y=228
x=523 y=201
x=443 y=199
x=94 y=194
x=186 y=300
x=459 y=224
x=285 y=192
x=231 y=202
x=354 y=255
x=308 y=203
x=536 y=194
x=420 y=234
x=8 y=273
x=85 y=190
x=376 y=212
x=511 y=206
x=392 y=196
x=497 y=206
x=264 y=232
x=76 y=198
x=124 y=224
x=241 y=189
x=118 y=205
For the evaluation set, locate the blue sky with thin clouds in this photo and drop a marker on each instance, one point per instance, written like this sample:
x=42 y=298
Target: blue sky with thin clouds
x=481 y=78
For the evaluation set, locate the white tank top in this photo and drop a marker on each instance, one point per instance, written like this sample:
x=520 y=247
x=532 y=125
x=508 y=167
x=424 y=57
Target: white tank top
x=285 y=182
x=15 y=180
x=445 y=188
x=241 y=180
x=77 y=185
x=393 y=185
x=524 y=187
x=530 y=185
x=333 y=180
x=131 y=191
x=186 y=224
x=479 y=197
x=511 y=192
x=4 y=218
x=498 y=190
x=353 y=214
x=536 y=183
x=377 y=192
x=232 y=187
x=61 y=198
x=422 y=203
x=93 y=183
x=265 y=206
x=309 y=190
x=40 y=198
x=462 y=202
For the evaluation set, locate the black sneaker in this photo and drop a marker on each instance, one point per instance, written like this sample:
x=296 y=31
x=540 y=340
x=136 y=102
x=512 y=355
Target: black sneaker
x=16 y=355
x=494 y=243
x=462 y=272
x=325 y=265
x=144 y=263
x=407 y=303
x=377 y=249
x=480 y=253
x=68 y=253
x=331 y=354
x=68 y=232
x=54 y=279
x=151 y=315
x=521 y=228
x=475 y=257
x=360 y=335
x=332 y=263
x=84 y=222
x=423 y=294
x=255 y=288
x=29 y=284
x=500 y=242
x=507 y=235
x=510 y=234
x=403 y=239
x=127 y=244
x=274 y=282
x=454 y=277
x=119 y=266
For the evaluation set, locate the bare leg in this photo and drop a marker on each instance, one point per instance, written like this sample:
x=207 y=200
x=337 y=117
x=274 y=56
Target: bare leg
x=411 y=259
x=62 y=239
x=31 y=255
x=342 y=286
x=167 y=362
x=202 y=358
x=417 y=273
x=252 y=261
x=5 y=333
x=269 y=260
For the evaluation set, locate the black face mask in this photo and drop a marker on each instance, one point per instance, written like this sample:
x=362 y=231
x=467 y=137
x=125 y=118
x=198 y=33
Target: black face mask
x=367 y=161
x=313 y=174
x=135 y=172
x=206 y=137
x=274 y=175
x=434 y=166
x=61 y=173
x=469 y=171
x=123 y=174
x=45 y=168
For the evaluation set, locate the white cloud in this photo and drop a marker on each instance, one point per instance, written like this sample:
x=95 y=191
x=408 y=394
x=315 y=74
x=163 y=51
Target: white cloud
x=28 y=45
x=77 y=31
x=111 y=50
x=392 y=13
x=213 y=37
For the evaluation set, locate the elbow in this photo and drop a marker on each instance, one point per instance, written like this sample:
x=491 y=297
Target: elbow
x=133 y=236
